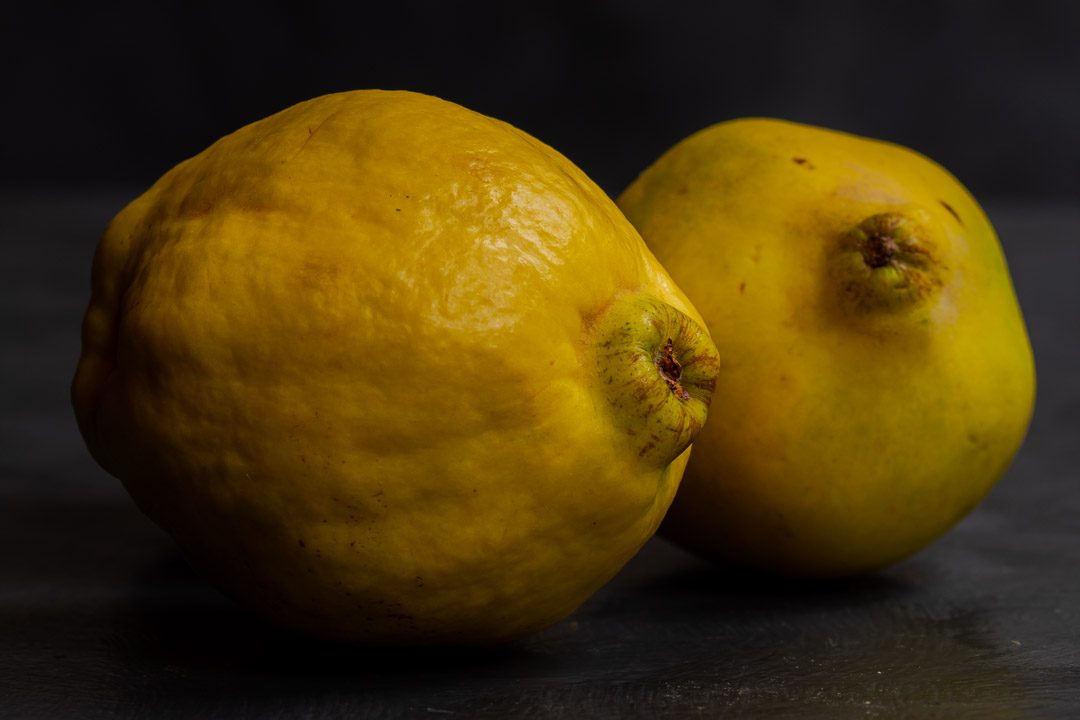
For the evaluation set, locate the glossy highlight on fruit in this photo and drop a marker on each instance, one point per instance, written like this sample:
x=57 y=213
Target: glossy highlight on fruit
x=876 y=377
x=391 y=371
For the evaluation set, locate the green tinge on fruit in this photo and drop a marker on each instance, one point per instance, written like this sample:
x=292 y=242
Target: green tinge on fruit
x=657 y=369
x=887 y=263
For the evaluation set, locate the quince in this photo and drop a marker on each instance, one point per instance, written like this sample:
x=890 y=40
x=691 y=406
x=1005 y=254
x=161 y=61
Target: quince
x=391 y=371
x=876 y=375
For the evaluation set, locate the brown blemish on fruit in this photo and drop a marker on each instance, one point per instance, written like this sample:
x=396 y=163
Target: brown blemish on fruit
x=707 y=387
x=347 y=505
x=653 y=441
x=804 y=162
x=879 y=249
x=952 y=211
x=311 y=130
x=671 y=370
x=742 y=287
x=317 y=274
x=699 y=372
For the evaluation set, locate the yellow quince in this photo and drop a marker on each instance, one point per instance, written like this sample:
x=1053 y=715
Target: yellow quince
x=391 y=371
x=876 y=376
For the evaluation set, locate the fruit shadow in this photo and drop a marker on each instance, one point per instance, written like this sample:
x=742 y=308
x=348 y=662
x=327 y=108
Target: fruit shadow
x=669 y=621
x=665 y=575
x=175 y=617
x=889 y=642
x=101 y=612
x=185 y=643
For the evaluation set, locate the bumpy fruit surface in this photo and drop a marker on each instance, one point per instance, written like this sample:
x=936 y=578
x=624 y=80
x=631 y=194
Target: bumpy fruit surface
x=391 y=371
x=876 y=376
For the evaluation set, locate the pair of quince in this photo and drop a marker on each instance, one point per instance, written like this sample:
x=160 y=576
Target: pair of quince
x=392 y=371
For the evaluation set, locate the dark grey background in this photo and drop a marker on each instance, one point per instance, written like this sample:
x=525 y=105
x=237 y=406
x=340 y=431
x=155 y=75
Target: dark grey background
x=119 y=92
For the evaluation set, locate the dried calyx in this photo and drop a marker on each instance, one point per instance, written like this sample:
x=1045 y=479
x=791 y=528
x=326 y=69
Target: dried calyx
x=887 y=262
x=657 y=370
x=671 y=370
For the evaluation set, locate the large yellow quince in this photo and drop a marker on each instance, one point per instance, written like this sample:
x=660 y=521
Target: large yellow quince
x=876 y=376
x=391 y=371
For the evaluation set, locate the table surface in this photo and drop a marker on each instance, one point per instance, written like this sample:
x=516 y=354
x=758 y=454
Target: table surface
x=100 y=617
